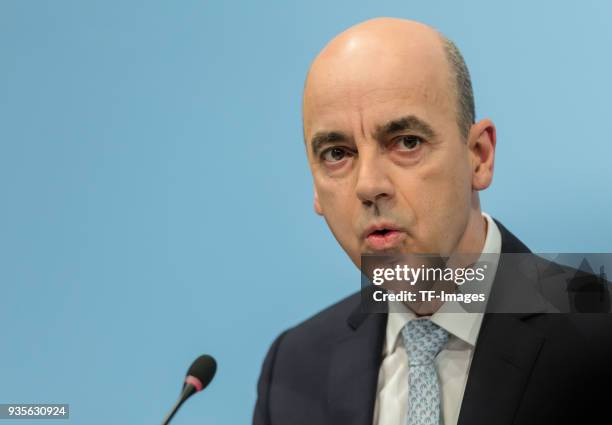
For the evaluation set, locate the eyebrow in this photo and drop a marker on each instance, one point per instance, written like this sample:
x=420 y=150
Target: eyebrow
x=409 y=122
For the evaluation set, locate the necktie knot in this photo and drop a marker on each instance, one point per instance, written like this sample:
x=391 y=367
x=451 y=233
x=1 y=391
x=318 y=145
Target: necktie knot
x=423 y=340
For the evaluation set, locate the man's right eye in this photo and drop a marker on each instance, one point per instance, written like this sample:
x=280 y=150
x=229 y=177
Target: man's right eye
x=334 y=154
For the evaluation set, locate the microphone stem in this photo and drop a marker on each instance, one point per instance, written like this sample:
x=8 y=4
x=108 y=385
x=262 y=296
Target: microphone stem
x=188 y=390
x=172 y=412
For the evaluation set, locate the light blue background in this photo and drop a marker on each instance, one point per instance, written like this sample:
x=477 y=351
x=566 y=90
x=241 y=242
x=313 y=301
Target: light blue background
x=156 y=201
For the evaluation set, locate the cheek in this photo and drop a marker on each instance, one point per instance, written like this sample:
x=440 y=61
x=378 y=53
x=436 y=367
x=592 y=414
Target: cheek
x=337 y=200
x=341 y=212
x=442 y=205
x=332 y=193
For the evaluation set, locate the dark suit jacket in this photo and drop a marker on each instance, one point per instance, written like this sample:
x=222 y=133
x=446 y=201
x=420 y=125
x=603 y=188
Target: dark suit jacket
x=526 y=369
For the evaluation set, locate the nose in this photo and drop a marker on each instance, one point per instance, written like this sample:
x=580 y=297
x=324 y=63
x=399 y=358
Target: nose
x=373 y=184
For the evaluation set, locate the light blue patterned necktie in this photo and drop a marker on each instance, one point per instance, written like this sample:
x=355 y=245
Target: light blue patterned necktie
x=423 y=340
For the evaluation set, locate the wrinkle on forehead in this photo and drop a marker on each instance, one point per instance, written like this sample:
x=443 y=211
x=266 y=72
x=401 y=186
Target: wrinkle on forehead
x=346 y=102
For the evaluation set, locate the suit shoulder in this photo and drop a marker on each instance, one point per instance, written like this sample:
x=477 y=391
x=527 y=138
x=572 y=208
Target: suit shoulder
x=327 y=325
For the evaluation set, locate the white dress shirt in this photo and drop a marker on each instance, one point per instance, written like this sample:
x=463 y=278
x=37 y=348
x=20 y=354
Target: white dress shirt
x=452 y=363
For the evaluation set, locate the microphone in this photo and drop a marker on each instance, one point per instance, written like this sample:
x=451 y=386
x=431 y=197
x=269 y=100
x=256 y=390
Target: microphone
x=198 y=377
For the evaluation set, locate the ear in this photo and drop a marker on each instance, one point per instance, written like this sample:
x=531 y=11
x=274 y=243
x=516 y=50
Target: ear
x=481 y=143
x=317 y=206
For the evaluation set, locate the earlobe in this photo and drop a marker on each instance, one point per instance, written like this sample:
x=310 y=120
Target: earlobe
x=317 y=206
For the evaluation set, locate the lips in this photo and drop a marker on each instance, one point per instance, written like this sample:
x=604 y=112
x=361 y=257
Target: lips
x=383 y=237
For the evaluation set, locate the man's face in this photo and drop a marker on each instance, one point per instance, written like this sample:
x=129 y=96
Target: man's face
x=391 y=170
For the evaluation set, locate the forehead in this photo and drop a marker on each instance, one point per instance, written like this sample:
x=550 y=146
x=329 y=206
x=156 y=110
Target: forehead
x=372 y=85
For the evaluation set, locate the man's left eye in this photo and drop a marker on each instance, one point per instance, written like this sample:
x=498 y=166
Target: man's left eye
x=407 y=143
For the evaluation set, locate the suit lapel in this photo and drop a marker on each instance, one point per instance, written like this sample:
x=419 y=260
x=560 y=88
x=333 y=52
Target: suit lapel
x=503 y=359
x=353 y=374
x=505 y=353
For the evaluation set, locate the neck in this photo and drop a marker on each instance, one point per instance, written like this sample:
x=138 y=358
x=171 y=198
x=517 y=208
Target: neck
x=475 y=234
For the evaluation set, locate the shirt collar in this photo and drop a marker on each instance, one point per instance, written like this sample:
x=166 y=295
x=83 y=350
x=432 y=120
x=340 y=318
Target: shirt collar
x=463 y=325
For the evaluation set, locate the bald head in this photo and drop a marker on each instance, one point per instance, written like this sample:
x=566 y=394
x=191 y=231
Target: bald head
x=389 y=53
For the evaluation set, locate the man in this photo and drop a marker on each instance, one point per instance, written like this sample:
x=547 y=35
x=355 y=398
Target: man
x=397 y=161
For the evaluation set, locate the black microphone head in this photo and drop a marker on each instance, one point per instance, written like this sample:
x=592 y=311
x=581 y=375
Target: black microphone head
x=199 y=375
x=203 y=369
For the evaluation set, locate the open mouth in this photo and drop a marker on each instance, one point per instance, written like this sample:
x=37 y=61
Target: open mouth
x=381 y=232
x=384 y=238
